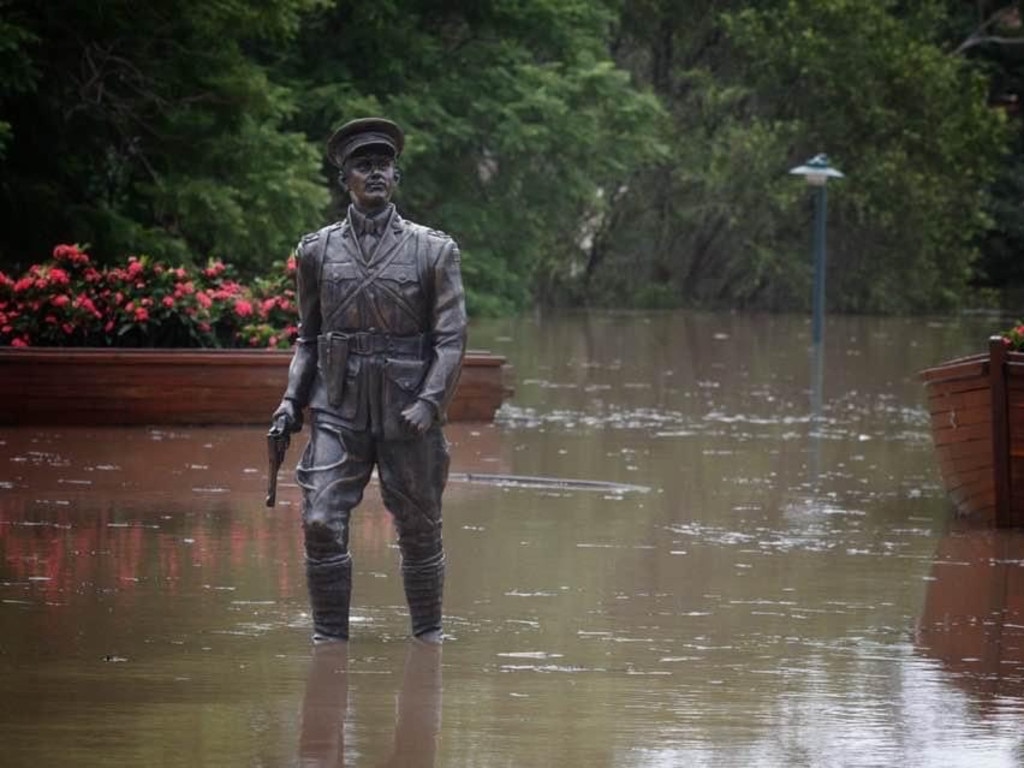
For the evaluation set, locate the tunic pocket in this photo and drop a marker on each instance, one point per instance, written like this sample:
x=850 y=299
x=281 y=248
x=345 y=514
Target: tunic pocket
x=403 y=281
x=338 y=280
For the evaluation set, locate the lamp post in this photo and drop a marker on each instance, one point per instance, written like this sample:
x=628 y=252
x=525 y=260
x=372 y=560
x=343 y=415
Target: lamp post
x=817 y=172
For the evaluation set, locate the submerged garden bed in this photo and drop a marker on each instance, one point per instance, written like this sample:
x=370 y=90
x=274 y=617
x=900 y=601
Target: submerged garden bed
x=184 y=386
x=151 y=343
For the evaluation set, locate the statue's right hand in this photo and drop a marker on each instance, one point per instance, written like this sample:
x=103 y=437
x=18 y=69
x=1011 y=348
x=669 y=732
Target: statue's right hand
x=287 y=417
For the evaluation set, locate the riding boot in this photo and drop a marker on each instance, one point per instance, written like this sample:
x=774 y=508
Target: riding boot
x=330 y=590
x=424 y=587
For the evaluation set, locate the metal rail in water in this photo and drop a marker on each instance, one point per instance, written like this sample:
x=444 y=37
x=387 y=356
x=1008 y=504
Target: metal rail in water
x=560 y=483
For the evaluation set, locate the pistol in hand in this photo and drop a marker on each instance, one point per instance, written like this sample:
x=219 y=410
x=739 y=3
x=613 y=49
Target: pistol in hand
x=278 y=439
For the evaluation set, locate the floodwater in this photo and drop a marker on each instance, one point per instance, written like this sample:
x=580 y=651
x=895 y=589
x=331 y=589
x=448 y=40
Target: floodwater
x=684 y=542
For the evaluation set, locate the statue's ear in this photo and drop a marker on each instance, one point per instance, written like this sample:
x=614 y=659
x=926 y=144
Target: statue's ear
x=398 y=175
x=343 y=181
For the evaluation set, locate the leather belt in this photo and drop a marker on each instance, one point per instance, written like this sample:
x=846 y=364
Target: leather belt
x=369 y=343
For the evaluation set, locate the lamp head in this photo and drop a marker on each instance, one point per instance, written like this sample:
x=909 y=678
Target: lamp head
x=817 y=171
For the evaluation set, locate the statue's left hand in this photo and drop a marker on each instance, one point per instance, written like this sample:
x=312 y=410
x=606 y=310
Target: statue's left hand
x=419 y=416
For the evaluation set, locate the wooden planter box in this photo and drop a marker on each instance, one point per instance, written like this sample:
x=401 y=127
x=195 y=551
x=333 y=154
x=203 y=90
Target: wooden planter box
x=977 y=412
x=68 y=386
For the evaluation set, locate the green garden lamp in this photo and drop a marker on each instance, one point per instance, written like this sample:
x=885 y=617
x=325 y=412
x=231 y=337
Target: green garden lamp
x=817 y=173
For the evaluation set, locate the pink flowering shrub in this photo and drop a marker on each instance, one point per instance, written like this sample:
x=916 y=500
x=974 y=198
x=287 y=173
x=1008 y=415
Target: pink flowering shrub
x=68 y=302
x=1014 y=337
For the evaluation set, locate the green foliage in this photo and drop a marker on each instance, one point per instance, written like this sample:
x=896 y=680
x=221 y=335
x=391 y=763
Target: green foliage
x=152 y=126
x=706 y=228
x=989 y=33
x=756 y=88
x=610 y=152
x=910 y=125
x=517 y=120
x=17 y=72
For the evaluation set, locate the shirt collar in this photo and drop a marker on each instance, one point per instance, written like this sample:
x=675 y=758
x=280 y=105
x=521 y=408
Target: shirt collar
x=366 y=225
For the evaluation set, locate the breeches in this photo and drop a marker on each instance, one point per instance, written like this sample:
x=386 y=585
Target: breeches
x=334 y=471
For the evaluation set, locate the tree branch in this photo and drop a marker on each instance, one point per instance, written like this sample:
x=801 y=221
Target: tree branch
x=979 y=36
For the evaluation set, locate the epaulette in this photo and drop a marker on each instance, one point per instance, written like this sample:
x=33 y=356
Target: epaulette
x=312 y=237
x=439 y=234
x=304 y=245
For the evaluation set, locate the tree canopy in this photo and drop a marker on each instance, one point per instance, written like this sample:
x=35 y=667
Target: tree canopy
x=152 y=127
x=607 y=152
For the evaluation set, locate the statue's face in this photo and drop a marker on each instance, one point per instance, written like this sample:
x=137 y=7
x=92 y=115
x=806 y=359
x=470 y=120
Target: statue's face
x=370 y=178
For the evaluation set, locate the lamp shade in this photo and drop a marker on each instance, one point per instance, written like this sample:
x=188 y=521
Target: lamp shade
x=817 y=171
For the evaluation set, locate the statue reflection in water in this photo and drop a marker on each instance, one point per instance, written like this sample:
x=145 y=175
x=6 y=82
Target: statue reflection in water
x=325 y=708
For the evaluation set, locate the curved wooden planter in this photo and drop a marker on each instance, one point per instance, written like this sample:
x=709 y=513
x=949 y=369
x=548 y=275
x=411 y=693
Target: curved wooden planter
x=977 y=412
x=184 y=386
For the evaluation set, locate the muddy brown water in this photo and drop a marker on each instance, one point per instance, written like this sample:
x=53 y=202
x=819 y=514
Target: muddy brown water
x=672 y=548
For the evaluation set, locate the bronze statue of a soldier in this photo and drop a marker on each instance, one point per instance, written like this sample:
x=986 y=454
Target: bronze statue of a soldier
x=381 y=340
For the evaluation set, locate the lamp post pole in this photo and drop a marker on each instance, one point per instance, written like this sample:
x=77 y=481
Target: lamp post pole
x=820 y=263
x=817 y=173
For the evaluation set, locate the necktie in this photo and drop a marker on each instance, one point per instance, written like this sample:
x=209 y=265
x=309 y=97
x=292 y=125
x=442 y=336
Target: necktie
x=371 y=230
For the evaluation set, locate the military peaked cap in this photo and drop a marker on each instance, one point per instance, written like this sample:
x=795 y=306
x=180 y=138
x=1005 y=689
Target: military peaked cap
x=364 y=132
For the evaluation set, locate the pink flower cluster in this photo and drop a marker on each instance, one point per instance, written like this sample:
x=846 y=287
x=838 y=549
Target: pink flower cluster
x=68 y=301
x=1014 y=337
